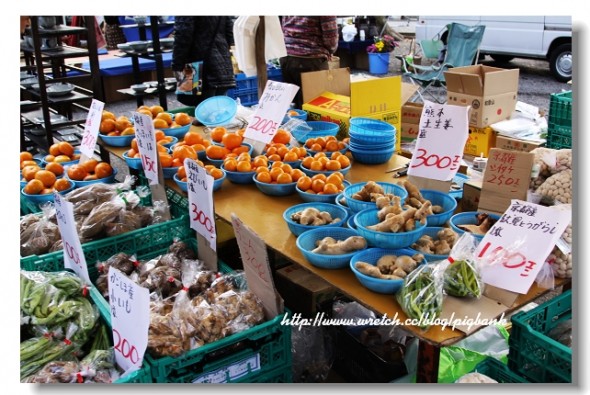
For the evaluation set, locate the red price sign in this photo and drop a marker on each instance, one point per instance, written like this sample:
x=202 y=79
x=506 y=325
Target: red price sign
x=148 y=163
x=200 y=198
x=125 y=348
x=508 y=259
x=423 y=158
x=146 y=142
x=202 y=218
x=264 y=126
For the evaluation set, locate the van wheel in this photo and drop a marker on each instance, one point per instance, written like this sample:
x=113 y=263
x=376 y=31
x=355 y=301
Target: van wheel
x=502 y=58
x=560 y=62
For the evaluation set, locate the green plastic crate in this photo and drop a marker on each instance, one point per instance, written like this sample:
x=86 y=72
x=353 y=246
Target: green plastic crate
x=28 y=207
x=560 y=111
x=533 y=354
x=496 y=370
x=141 y=241
x=559 y=141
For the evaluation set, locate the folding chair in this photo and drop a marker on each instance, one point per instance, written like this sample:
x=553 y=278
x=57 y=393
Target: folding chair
x=462 y=50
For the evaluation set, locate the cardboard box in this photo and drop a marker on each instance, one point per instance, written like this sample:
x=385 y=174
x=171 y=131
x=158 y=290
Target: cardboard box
x=471 y=195
x=411 y=113
x=513 y=144
x=409 y=132
x=480 y=141
x=330 y=95
x=302 y=290
x=490 y=91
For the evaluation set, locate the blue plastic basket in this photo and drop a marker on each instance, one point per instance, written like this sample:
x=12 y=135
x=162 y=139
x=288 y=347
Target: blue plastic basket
x=301 y=114
x=323 y=198
x=465 y=218
x=328 y=153
x=446 y=201
x=341 y=201
x=64 y=164
x=459 y=179
x=239 y=177
x=367 y=130
x=318 y=129
x=312 y=173
x=106 y=180
x=169 y=172
x=432 y=231
x=216 y=111
x=216 y=183
x=350 y=223
x=177 y=132
x=117 y=141
x=385 y=239
x=372 y=157
x=306 y=242
x=133 y=163
x=358 y=205
x=372 y=255
x=275 y=189
x=334 y=210
x=47 y=197
x=171 y=143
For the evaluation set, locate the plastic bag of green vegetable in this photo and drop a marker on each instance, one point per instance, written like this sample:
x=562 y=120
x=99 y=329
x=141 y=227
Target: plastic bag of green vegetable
x=461 y=271
x=421 y=295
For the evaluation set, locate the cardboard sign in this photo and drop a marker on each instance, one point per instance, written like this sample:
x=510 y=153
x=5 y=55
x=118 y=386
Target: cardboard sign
x=91 y=128
x=200 y=197
x=506 y=177
x=73 y=255
x=146 y=142
x=256 y=267
x=439 y=145
x=130 y=317
x=272 y=106
x=515 y=248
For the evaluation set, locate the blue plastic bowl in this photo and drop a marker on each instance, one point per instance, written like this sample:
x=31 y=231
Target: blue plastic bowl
x=239 y=177
x=448 y=203
x=372 y=157
x=64 y=164
x=341 y=201
x=385 y=239
x=431 y=231
x=182 y=184
x=170 y=144
x=350 y=223
x=216 y=111
x=133 y=163
x=177 y=132
x=466 y=218
x=318 y=129
x=106 y=180
x=314 y=197
x=459 y=179
x=117 y=141
x=328 y=153
x=359 y=205
x=275 y=189
x=40 y=199
x=306 y=242
x=367 y=131
x=301 y=114
x=312 y=173
x=372 y=255
x=335 y=212
x=169 y=172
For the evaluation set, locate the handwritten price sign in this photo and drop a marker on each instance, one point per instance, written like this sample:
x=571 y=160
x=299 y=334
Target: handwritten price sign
x=200 y=198
x=91 y=127
x=441 y=138
x=146 y=142
x=73 y=255
x=130 y=317
x=272 y=106
x=514 y=249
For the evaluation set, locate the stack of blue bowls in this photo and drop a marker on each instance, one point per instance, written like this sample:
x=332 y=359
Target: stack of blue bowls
x=371 y=141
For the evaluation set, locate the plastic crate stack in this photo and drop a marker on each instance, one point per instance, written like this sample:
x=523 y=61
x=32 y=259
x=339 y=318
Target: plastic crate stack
x=560 y=121
x=247 y=87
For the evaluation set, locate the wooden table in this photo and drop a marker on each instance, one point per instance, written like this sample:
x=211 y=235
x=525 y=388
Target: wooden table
x=263 y=214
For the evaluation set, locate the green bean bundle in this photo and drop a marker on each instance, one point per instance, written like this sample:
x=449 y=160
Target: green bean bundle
x=461 y=279
x=421 y=297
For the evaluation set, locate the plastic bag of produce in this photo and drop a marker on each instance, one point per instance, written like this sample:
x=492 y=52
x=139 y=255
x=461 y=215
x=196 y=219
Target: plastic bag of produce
x=462 y=271
x=38 y=233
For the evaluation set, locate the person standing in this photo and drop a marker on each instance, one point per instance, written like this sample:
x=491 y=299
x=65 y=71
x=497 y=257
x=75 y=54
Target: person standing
x=113 y=32
x=310 y=41
x=207 y=39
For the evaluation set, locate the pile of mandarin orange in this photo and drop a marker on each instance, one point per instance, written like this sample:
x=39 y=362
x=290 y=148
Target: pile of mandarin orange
x=243 y=163
x=61 y=152
x=280 y=152
x=278 y=173
x=164 y=120
x=195 y=140
x=41 y=181
x=321 y=162
x=322 y=184
x=324 y=144
x=90 y=170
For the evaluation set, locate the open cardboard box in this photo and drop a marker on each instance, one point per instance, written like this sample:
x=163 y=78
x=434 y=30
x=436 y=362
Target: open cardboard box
x=332 y=95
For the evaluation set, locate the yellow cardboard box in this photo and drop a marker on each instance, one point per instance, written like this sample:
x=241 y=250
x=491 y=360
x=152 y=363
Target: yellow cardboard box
x=480 y=141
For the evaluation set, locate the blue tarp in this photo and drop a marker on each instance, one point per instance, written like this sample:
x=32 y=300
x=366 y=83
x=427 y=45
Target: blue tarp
x=121 y=66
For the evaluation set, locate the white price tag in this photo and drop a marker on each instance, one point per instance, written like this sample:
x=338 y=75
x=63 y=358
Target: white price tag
x=200 y=198
x=514 y=249
x=73 y=255
x=146 y=142
x=91 y=128
x=130 y=317
x=441 y=138
x=272 y=107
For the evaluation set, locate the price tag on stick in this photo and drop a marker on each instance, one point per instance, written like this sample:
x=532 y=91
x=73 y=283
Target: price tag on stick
x=517 y=245
x=146 y=142
x=130 y=317
x=441 y=138
x=91 y=128
x=272 y=107
x=73 y=255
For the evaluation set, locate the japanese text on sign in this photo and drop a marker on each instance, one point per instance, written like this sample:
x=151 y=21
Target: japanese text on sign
x=514 y=249
x=146 y=142
x=129 y=304
x=91 y=128
x=272 y=107
x=500 y=170
x=442 y=134
x=200 y=197
x=73 y=255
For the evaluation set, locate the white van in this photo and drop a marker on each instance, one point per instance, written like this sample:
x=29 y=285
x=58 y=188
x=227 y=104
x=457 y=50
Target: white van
x=508 y=37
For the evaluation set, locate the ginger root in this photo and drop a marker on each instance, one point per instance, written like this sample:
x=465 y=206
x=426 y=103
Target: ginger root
x=331 y=246
x=394 y=222
x=388 y=204
x=313 y=216
x=365 y=193
x=373 y=271
x=391 y=266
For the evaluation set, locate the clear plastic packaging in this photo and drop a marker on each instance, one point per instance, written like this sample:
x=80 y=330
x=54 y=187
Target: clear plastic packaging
x=462 y=273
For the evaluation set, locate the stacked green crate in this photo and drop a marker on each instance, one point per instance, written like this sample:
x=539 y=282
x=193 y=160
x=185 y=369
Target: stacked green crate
x=559 y=132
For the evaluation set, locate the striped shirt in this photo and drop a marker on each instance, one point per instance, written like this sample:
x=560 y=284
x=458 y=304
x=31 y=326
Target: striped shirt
x=310 y=36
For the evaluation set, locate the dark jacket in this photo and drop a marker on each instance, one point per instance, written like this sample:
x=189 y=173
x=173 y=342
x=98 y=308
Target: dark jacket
x=206 y=38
